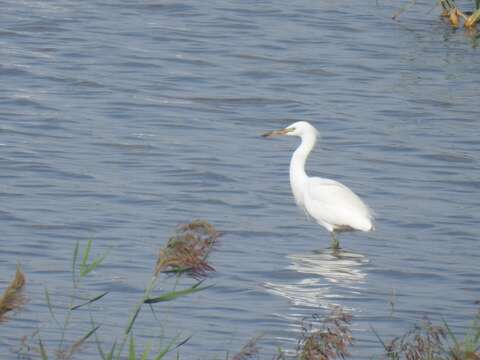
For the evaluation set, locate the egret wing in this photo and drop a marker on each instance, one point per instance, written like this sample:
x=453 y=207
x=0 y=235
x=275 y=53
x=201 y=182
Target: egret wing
x=335 y=206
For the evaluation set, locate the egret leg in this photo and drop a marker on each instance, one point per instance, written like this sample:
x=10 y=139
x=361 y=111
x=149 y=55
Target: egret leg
x=335 y=242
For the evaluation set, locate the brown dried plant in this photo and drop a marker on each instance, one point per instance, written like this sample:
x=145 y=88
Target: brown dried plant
x=331 y=341
x=452 y=13
x=12 y=298
x=68 y=353
x=434 y=342
x=187 y=250
x=424 y=341
x=249 y=351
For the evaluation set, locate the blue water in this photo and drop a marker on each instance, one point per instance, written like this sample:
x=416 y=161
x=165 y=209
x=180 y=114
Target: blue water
x=121 y=119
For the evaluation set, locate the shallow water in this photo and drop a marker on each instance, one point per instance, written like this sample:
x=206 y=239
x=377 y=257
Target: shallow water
x=119 y=120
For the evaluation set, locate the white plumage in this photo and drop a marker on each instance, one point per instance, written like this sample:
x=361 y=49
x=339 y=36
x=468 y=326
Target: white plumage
x=330 y=203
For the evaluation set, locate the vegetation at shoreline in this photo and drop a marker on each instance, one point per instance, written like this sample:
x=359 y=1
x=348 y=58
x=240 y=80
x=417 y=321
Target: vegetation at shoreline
x=12 y=298
x=186 y=254
x=426 y=341
x=452 y=12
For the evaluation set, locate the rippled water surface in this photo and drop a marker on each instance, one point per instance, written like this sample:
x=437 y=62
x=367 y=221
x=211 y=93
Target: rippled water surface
x=121 y=119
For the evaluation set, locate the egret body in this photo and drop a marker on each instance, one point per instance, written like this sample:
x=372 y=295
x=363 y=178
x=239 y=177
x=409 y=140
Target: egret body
x=330 y=203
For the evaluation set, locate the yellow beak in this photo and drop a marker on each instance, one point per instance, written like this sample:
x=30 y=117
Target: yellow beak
x=277 y=133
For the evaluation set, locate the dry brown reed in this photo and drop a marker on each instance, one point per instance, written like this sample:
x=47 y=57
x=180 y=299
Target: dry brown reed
x=331 y=341
x=249 y=351
x=424 y=341
x=452 y=13
x=68 y=353
x=187 y=250
x=12 y=298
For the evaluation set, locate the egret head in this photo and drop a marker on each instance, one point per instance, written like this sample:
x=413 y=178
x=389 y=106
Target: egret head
x=300 y=128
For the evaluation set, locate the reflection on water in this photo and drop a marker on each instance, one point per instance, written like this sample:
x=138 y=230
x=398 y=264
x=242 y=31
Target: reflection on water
x=337 y=267
x=329 y=275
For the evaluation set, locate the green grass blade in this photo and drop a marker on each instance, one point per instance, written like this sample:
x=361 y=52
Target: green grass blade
x=183 y=342
x=403 y=9
x=86 y=269
x=451 y=334
x=43 y=352
x=90 y=301
x=131 y=348
x=112 y=351
x=146 y=351
x=87 y=335
x=86 y=253
x=176 y=294
x=477 y=336
x=97 y=340
x=74 y=262
x=50 y=308
x=170 y=346
x=379 y=338
x=132 y=320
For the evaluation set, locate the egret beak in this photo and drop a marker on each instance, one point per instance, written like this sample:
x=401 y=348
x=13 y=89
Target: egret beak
x=277 y=132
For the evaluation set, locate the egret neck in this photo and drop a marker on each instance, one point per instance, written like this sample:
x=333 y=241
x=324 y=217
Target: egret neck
x=298 y=177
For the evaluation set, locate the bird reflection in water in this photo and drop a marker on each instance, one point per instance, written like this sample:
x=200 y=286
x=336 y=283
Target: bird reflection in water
x=332 y=276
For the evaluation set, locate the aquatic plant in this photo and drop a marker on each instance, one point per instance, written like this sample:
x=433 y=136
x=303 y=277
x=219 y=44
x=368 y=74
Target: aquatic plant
x=185 y=253
x=331 y=341
x=451 y=11
x=426 y=341
x=187 y=250
x=82 y=265
x=12 y=298
x=469 y=347
x=249 y=351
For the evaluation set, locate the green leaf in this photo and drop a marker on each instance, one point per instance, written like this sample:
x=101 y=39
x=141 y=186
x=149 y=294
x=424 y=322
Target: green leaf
x=132 y=320
x=74 y=261
x=90 y=301
x=43 y=352
x=85 y=270
x=452 y=335
x=171 y=346
x=112 y=351
x=379 y=338
x=176 y=294
x=131 y=348
x=97 y=340
x=87 y=335
x=50 y=308
x=86 y=253
x=146 y=351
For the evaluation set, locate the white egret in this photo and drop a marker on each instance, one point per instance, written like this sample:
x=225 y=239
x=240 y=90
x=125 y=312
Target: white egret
x=333 y=205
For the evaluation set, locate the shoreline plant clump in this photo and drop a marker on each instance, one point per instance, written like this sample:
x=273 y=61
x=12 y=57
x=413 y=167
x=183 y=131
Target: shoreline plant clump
x=186 y=254
x=12 y=298
x=426 y=341
x=452 y=12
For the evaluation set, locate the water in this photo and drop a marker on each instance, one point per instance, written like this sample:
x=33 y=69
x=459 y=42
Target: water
x=119 y=120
